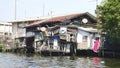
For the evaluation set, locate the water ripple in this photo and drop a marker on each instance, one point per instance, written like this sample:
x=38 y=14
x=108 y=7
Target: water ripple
x=8 y=60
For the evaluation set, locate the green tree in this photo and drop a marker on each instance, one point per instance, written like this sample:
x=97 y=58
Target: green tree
x=109 y=15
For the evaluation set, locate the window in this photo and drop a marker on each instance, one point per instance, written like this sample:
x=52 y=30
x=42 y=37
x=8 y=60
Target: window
x=1 y=24
x=84 y=38
x=20 y=25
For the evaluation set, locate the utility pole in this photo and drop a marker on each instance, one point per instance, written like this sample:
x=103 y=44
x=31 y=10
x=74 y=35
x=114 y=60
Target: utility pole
x=15 y=9
x=96 y=3
x=43 y=9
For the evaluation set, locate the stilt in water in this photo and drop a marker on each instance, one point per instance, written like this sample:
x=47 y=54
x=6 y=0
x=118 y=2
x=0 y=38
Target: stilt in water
x=73 y=49
x=73 y=57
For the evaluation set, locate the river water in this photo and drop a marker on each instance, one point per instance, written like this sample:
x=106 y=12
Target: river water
x=8 y=60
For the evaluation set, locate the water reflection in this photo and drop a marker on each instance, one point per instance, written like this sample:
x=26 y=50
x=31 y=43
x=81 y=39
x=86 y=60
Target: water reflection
x=97 y=62
x=8 y=60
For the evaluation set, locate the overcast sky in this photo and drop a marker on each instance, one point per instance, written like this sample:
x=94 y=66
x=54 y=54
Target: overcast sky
x=40 y=8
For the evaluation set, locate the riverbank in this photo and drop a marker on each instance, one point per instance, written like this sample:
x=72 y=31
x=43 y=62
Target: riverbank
x=101 y=53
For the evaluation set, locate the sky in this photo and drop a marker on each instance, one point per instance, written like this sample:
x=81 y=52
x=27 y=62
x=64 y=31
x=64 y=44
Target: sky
x=43 y=8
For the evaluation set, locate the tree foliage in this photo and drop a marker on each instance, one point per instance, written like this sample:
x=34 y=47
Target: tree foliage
x=109 y=15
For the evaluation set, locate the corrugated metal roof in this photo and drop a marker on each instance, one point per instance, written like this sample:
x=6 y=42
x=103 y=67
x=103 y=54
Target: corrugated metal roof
x=5 y=23
x=55 y=19
x=89 y=29
x=25 y=20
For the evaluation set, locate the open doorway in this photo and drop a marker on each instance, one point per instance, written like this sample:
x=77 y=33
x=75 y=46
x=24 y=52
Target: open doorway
x=30 y=44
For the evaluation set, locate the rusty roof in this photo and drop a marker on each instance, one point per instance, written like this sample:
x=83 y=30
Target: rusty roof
x=56 y=19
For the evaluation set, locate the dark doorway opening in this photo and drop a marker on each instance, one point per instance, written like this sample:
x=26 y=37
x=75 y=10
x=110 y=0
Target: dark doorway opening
x=30 y=45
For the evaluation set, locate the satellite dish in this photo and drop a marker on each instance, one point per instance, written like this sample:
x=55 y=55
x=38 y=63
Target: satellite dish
x=43 y=29
x=85 y=20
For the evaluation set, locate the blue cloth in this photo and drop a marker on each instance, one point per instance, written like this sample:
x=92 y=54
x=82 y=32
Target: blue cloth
x=54 y=37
